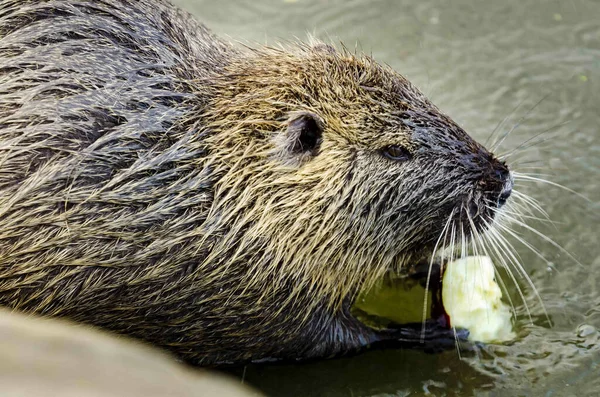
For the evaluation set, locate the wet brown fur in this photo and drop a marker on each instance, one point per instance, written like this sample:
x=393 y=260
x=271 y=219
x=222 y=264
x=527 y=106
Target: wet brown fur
x=149 y=185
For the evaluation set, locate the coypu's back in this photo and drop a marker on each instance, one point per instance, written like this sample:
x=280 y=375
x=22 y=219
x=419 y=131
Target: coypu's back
x=93 y=161
x=94 y=87
x=223 y=203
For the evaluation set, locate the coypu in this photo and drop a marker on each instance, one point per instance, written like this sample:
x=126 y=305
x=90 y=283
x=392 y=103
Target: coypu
x=222 y=202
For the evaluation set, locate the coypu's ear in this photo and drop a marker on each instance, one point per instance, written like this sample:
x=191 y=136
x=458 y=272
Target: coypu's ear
x=301 y=139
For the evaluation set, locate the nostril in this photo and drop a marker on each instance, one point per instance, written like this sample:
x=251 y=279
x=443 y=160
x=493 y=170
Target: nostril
x=503 y=197
x=502 y=174
x=505 y=193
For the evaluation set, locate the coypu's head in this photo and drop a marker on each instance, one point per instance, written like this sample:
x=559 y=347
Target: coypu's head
x=335 y=169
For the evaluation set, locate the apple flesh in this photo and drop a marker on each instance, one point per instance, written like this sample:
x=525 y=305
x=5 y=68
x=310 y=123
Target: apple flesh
x=472 y=300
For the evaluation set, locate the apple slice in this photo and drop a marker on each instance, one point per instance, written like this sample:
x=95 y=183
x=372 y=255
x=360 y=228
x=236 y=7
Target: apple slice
x=472 y=300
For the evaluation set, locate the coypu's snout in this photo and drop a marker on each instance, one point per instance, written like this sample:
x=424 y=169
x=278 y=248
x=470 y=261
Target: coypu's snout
x=489 y=186
x=492 y=190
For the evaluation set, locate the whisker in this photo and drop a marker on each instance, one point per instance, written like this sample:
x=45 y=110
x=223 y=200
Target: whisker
x=503 y=221
x=456 y=342
x=525 y=243
x=463 y=255
x=518 y=175
x=451 y=258
x=497 y=144
x=518 y=163
x=442 y=234
x=532 y=148
x=516 y=262
x=463 y=242
x=543 y=236
x=477 y=240
x=533 y=174
x=531 y=141
x=521 y=216
x=501 y=252
x=452 y=242
x=530 y=167
x=486 y=241
x=533 y=203
x=501 y=123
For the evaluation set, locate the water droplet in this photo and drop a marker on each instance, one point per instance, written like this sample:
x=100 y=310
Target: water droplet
x=585 y=330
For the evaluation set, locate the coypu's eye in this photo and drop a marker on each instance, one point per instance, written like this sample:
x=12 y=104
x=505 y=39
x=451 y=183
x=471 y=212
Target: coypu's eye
x=396 y=153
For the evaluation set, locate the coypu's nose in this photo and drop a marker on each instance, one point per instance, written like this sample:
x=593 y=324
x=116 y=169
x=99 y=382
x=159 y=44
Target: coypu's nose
x=506 y=191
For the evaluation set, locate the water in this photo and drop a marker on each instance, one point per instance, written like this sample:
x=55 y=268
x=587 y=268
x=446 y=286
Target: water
x=478 y=61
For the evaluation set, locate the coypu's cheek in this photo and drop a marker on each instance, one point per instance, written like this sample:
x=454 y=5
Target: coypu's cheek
x=394 y=191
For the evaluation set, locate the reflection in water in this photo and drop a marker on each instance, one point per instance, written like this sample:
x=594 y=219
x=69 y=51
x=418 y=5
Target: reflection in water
x=376 y=373
x=537 y=64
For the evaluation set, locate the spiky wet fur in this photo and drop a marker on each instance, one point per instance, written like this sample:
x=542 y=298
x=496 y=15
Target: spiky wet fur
x=147 y=184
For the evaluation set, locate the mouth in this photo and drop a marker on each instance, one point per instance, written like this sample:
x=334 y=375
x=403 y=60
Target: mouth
x=439 y=304
x=407 y=311
x=411 y=300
